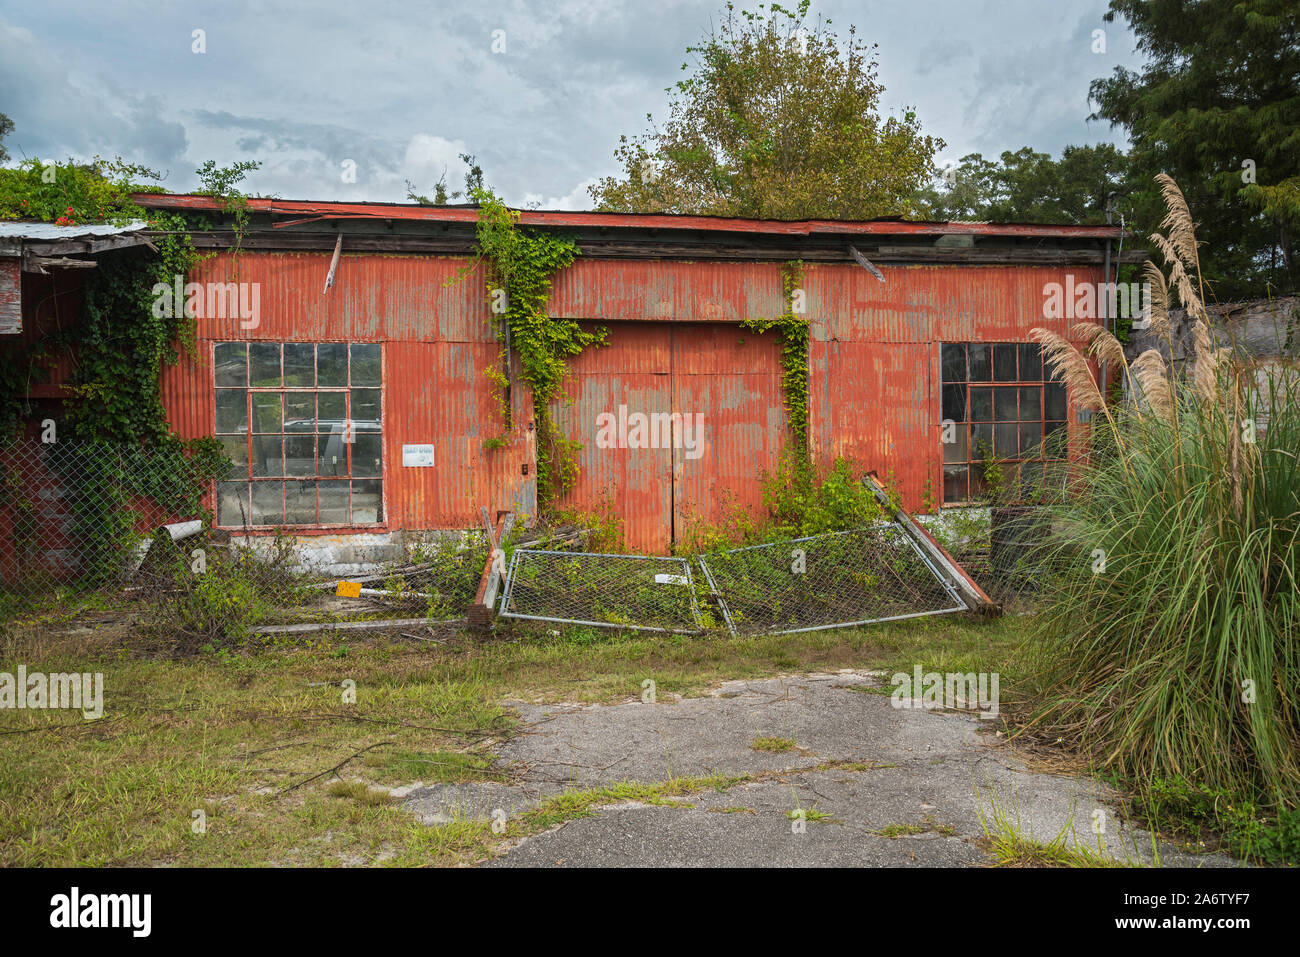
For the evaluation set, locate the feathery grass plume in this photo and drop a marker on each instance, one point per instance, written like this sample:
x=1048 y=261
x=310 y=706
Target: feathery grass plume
x=1178 y=223
x=1205 y=378
x=1066 y=360
x=1159 y=302
x=1101 y=343
x=1178 y=277
x=1181 y=657
x=1151 y=374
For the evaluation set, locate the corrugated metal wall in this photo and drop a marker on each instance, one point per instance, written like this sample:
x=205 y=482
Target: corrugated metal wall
x=675 y=346
x=437 y=342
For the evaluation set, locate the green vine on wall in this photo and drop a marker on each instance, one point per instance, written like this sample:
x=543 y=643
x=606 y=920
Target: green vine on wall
x=120 y=346
x=793 y=329
x=518 y=286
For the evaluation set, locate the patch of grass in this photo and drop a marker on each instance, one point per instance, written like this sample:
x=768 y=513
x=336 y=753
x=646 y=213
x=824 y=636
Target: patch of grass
x=255 y=732
x=578 y=804
x=928 y=825
x=734 y=809
x=359 y=791
x=808 y=814
x=1205 y=818
x=774 y=745
x=435 y=767
x=1005 y=840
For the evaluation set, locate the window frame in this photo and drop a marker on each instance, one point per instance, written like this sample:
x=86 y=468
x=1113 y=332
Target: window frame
x=250 y=432
x=968 y=422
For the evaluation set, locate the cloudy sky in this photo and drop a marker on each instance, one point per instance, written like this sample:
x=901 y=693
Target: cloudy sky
x=401 y=88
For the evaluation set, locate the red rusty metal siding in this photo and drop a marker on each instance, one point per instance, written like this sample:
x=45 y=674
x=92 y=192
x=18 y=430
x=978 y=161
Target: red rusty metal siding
x=669 y=291
x=674 y=347
x=437 y=343
x=635 y=485
x=875 y=355
x=731 y=377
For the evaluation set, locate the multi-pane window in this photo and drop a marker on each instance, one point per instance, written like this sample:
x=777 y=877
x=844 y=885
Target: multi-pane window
x=1007 y=408
x=303 y=424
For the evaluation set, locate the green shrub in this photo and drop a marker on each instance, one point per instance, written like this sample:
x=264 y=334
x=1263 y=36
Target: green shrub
x=1169 y=637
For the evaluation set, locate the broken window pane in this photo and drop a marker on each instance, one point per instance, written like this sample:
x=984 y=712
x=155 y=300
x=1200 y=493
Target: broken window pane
x=954 y=402
x=954 y=362
x=981 y=404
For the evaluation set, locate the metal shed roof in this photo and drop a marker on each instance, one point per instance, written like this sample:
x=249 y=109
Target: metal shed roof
x=308 y=210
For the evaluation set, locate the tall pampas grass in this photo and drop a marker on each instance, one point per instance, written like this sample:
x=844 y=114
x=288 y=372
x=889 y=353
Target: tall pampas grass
x=1178 y=653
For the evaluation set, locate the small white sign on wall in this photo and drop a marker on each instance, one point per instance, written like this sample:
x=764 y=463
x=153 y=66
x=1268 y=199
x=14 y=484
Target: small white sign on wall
x=417 y=456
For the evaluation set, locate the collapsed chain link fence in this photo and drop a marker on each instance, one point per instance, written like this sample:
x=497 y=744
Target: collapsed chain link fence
x=640 y=592
x=833 y=580
x=127 y=530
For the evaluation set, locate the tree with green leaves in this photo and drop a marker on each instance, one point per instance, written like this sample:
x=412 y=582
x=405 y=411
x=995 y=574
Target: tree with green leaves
x=6 y=127
x=441 y=194
x=1030 y=187
x=1217 y=107
x=774 y=121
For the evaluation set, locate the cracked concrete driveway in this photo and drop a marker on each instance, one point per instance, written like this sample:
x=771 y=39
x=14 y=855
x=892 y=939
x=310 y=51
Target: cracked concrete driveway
x=896 y=787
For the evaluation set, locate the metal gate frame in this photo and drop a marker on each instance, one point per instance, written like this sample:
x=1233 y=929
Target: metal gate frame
x=902 y=530
x=505 y=612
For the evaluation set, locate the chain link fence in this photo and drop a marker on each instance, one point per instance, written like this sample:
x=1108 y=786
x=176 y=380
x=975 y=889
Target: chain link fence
x=834 y=580
x=128 y=530
x=638 y=592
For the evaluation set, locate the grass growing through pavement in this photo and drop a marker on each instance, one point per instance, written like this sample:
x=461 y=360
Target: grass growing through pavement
x=774 y=745
x=256 y=740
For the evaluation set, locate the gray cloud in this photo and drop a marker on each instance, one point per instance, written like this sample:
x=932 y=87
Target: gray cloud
x=401 y=88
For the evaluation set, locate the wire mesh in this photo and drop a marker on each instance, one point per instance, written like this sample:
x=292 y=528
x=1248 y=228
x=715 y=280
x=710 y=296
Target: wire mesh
x=831 y=580
x=130 y=526
x=639 y=592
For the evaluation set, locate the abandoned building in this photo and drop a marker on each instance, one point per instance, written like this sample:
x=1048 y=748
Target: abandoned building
x=345 y=373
